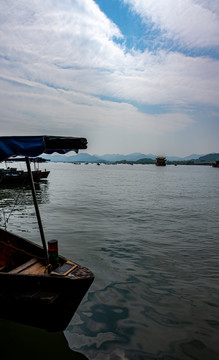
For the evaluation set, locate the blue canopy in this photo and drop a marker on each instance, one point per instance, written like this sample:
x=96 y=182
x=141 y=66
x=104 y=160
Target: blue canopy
x=32 y=146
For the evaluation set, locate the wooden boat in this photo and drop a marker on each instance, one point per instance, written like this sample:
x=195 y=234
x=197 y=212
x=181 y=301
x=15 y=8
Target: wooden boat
x=161 y=161
x=38 y=286
x=15 y=176
x=10 y=175
x=32 y=295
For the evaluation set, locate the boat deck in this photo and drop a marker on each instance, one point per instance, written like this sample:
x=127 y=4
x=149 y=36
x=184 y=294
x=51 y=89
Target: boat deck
x=33 y=266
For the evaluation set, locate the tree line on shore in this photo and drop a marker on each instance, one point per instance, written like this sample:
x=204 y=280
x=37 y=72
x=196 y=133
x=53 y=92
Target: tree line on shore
x=203 y=160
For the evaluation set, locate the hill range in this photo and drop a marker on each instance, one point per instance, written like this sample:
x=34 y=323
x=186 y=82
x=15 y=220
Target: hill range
x=134 y=157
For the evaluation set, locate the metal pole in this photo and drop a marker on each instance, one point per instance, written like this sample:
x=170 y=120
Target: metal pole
x=37 y=209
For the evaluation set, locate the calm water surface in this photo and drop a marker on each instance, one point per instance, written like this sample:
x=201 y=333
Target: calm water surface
x=150 y=235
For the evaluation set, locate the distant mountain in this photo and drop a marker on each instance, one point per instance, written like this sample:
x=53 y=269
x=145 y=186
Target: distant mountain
x=186 y=158
x=192 y=157
x=82 y=157
x=119 y=157
x=209 y=157
x=139 y=156
x=85 y=157
x=110 y=157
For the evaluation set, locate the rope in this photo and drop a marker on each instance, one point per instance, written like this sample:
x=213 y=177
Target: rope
x=25 y=252
x=6 y=220
x=50 y=268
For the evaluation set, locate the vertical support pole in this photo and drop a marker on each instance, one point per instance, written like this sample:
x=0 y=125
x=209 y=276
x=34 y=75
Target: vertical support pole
x=37 y=209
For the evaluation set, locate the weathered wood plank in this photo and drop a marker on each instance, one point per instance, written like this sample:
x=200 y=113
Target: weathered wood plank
x=36 y=269
x=23 y=266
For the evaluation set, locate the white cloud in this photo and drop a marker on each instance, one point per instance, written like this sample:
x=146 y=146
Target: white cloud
x=58 y=60
x=29 y=108
x=63 y=32
x=68 y=45
x=47 y=107
x=194 y=23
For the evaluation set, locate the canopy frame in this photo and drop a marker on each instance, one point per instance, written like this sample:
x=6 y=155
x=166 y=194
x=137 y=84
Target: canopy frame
x=29 y=146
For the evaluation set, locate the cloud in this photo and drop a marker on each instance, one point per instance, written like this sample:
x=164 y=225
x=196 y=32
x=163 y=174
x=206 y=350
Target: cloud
x=194 y=23
x=165 y=78
x=88 y=64
x=61 y=69
x=45 y=108
x=62 y=32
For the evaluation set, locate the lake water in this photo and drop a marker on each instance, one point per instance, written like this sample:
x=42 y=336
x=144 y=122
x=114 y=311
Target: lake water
x=150 y=235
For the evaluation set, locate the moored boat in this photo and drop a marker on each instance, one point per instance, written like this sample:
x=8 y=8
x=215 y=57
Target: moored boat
x=33 y=295
x=15 y=176
x=38 y=286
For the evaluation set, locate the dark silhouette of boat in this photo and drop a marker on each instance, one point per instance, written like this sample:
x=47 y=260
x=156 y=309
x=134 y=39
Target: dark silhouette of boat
x=15 y=176
x=216 y=164
x=38 y=286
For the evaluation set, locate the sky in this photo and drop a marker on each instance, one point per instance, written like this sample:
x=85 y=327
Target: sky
x=129 y=75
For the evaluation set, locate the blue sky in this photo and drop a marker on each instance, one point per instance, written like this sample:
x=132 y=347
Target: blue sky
x=130 y=75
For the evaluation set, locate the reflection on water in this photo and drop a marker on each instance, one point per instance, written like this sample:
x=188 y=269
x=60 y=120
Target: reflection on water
x=119 y=325
x=25 y=342
x=16 y=202
x=23 y=194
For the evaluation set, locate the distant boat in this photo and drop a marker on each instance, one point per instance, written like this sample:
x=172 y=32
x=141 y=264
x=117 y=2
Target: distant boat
x=161 y=161
x=38 y=286
x=216 y=164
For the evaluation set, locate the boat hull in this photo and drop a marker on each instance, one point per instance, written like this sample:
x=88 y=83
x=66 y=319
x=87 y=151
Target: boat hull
x=32 y=296
x=44 y=302
x=21 y=177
